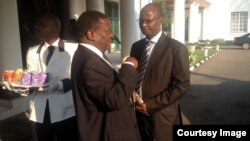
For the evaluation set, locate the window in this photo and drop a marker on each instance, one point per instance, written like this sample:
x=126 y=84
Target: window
x=112 y=11
x=239 y=22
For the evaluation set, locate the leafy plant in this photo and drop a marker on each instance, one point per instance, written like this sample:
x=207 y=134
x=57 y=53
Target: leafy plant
x=198 y=55
x=166 y=15
x=192 y=58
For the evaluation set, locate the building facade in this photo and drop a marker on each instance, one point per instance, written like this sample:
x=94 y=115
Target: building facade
x=191 y=21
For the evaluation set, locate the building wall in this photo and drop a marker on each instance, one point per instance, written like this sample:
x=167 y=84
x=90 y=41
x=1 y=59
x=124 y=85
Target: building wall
x=10 y=46
x=218 y=18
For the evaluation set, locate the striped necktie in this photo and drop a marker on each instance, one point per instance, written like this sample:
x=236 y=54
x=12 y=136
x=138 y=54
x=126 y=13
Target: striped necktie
x=143 y=64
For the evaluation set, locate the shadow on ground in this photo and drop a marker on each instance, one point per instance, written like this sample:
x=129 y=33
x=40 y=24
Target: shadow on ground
x=224 y=103
x=16 y=128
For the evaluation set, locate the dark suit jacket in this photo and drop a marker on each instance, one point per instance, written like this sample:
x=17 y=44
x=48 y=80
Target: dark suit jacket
x=102 y=98
x=166 y=80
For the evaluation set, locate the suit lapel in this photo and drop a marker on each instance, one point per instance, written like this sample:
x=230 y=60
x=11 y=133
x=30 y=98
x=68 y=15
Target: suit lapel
x=158 y=49
x=106 y=63
x=56 y=54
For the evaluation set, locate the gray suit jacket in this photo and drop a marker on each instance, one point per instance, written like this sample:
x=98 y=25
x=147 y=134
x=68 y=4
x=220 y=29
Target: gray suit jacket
x=166 y=80
x=102 y=98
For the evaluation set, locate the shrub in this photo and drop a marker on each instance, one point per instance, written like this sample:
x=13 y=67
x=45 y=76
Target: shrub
x=218 y=41
x=198 y=55
x=229 y=43
x=192 y=58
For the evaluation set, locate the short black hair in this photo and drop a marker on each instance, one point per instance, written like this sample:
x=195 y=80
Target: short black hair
x=89 y=20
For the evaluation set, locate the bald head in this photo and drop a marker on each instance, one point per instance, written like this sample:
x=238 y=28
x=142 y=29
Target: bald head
x=154 y=7
x=150 y=20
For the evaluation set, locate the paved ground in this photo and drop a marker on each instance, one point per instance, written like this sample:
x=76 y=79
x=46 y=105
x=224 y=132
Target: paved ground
x=219 y=94
x=220 y=90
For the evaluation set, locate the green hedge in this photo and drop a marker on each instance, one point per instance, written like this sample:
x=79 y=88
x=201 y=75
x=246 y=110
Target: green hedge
x=198 y=55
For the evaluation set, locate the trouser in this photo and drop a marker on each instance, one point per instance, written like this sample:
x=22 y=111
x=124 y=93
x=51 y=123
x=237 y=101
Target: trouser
x=145 y=126
x=65 y=130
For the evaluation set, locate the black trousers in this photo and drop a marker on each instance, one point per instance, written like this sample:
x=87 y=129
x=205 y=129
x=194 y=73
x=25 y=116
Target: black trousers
x=145 y=126
x=65 y=130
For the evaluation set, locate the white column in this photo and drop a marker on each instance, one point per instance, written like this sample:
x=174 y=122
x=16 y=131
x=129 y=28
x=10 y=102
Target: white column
x=10 y=45
x=97 y=5
x=205 y=25
x=194 y=23
x=130 y=32
x=202 y=22
x=76 y=7
x=179 y=20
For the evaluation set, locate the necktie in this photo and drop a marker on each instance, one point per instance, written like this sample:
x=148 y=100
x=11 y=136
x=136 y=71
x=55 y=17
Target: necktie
x=143 y=64
x=50 y=53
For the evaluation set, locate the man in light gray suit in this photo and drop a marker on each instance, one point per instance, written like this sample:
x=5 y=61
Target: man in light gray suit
x=52 y=110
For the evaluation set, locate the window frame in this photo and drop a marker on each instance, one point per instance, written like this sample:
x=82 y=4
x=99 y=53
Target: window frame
x=239 y=22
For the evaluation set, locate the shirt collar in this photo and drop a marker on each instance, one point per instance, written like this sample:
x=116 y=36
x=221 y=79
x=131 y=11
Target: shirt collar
x=96 y=51
x=93 y=48
x=156 y=37
x=55 y=44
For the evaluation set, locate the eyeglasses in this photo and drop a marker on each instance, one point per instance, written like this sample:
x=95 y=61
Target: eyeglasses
x=147 y=21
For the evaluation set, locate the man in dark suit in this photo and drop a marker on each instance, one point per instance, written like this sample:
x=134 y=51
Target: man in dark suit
x=104 y=108
x=165 y=79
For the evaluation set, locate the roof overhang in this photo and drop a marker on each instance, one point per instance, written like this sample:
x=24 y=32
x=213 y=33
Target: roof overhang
x=202 y=3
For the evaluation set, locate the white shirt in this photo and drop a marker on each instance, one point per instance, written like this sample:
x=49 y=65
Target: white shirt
x=96 y=51
x=154 y=40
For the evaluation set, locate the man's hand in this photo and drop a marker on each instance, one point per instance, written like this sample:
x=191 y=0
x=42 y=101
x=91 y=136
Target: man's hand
x=137 y=98
x=141 y=107
x=51 y=87
x=139 y=104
